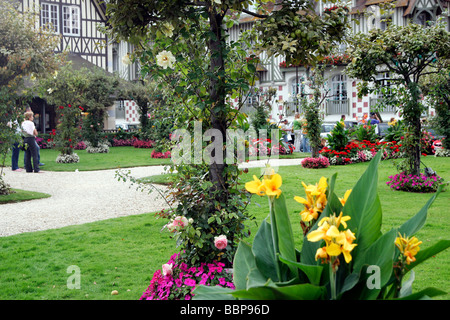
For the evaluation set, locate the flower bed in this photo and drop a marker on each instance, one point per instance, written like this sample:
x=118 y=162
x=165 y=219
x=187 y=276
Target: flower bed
x=315 y=163
x=361 y=151
x=415 y=183
x=123 y=142
x=143 y=143
x=177 y=280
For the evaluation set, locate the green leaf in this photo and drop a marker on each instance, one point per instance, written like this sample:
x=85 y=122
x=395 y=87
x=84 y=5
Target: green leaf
x=314 y=273
x=293 y=292
x=380 y=254
x=212 y=293
x=364 y=208
x=424 y=294
x=263 y=251
x=286 y=243
x=243 y=263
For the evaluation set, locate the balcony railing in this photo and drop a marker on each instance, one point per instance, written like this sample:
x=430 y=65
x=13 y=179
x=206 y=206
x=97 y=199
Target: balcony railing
x=382 y=108
x=337 y=107
x=291 y=108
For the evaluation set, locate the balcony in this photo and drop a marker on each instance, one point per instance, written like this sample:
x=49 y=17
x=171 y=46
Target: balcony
x=376 y=104
x=337 y=107
x=290 y=108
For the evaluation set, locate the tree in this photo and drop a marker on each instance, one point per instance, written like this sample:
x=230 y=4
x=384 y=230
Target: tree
x=24 y=51
x=185 y=45
x=65 y=90
x=101 y=92
x=408 y=53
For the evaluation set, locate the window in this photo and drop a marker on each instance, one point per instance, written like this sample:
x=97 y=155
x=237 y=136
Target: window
x=339 y=87
x=71 y=20
x=49 y=16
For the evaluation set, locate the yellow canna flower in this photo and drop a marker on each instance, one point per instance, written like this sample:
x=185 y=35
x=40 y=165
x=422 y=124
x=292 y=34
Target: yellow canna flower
x=255 y=186
x=322 y=253
x=345 y=239
x=408 y=247
x=315 y=201
x=333 y=249
x=346 y=195
x=272 y=185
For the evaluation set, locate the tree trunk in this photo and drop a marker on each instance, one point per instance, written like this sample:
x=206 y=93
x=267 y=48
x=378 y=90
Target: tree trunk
x=217 y=96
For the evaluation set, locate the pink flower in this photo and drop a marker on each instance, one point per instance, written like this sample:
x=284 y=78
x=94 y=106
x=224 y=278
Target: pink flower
x=220 y=242
x=167 y=269
x=189 y=282
x=180 y=221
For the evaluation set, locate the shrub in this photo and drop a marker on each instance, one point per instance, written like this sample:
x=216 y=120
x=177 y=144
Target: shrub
x=315 y=163
x=442 y=153
x=177 y=279
x=415 y=183
x=67 y=158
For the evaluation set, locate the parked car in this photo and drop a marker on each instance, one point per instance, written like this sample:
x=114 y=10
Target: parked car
x=381 y=129
x=326 y=129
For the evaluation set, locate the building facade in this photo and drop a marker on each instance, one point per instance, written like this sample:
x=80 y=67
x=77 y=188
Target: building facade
x=342 y=98
x=78 y=21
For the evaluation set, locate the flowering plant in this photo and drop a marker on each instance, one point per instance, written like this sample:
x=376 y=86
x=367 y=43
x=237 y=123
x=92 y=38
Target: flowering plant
x=415 y=183
x=315 y=163
x=160 y=155
x=143 y=143
x=176 y=280
x=342 y=247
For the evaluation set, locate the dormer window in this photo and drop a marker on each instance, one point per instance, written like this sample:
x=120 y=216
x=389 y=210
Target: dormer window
x=65 y=19
x=50 y=16
x=71 y=20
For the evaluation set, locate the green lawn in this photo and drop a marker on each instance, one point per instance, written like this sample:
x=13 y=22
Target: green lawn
x=22 y=195
x=122 y=254
x=118 y=157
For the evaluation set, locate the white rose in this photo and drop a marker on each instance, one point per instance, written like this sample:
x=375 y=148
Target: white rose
x=165 y=59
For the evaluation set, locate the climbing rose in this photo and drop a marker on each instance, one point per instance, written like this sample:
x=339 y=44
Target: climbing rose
x=220 y=242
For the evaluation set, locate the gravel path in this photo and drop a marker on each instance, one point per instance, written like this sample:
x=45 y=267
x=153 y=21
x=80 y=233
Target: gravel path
x=82 y=197
x=76 y=198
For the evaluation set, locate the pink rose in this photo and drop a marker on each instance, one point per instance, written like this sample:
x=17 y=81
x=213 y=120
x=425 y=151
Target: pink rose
x=220 y=242
x=180 y=222
x=167 y=269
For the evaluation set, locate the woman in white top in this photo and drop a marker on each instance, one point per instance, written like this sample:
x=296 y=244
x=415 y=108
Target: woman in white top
x=29 y=132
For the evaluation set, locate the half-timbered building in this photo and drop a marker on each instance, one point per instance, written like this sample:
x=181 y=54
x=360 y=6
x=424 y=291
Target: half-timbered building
x=77 y=22
x=343 y=100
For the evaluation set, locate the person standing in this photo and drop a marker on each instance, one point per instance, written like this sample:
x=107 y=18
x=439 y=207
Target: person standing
x=305 y=140
x=31 y=152
x=28 y=109
x=15 y=149
x=297 y=127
